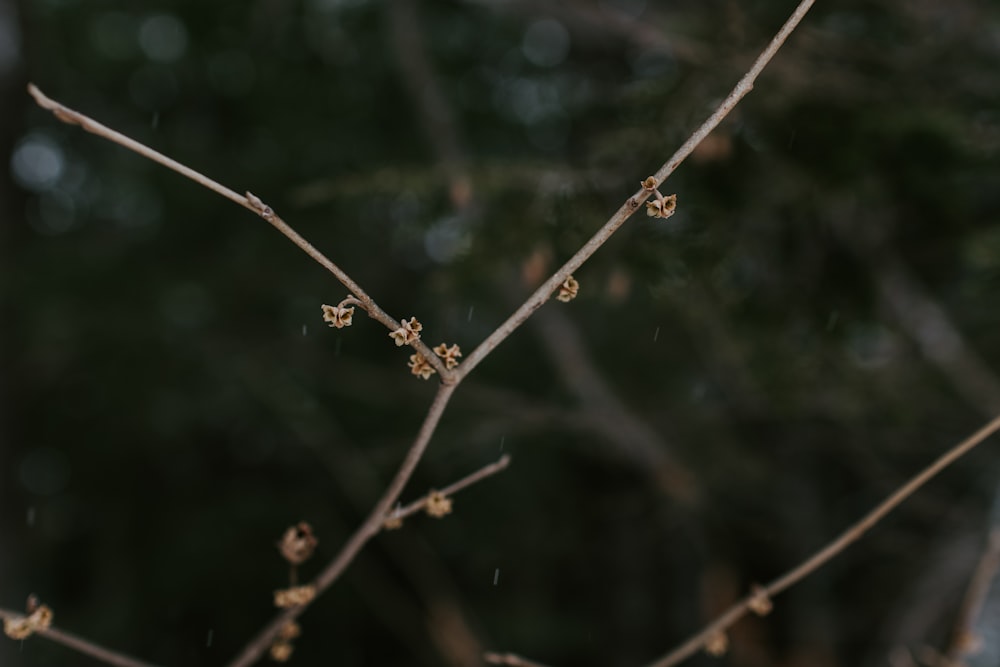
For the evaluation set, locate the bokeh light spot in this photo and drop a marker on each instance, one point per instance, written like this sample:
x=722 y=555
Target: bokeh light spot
x=545 y=43
x=163 y=38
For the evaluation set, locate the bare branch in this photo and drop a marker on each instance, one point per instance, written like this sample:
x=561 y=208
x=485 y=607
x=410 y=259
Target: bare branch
x=510 y=659
x=452 y=489
x=963 y=639
x=940 y=341
x=852 y=534
x=633 y=203
x=250 y=202
x=371 y=526
x=436 y=114
x=81 y=645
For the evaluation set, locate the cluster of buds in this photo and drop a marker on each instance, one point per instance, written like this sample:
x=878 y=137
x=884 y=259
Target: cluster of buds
x=568 y=289
x=760 y=601
x=407 y=332
x=339 y=316
x=717 y=645
x=437 y=505
x=294 y=596
x=298 y=543
x=422 y=368
x=281 y=649
x=394 y=521
x=660 y=206
x=449 y=354
x=21 y=627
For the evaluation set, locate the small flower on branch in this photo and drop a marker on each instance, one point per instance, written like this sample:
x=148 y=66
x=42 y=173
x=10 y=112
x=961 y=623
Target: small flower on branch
x=298 y=543
x=392 y=522
x=717 y=645
x=407 y=332
x=568 y=290
x=39 y=618
x=661 y=207
x=438 y=504
x=338 y=316
x=760 y=601
x=281 y=651
x=419 y=366
x=289 y=631
x=295 y=596
x=449 y=354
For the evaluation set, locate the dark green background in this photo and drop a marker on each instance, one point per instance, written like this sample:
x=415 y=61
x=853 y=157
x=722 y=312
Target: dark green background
x=171 y=399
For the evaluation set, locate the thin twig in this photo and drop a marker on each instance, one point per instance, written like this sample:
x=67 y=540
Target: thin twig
x=852 y=534
x=963 y=640
x=630 y=435
x=510 y=659
x=371 y=526
x=249 y=202
x=436 y=116
x=940 y=341
x=632 y=204
x=80 y=645
x=452 y=489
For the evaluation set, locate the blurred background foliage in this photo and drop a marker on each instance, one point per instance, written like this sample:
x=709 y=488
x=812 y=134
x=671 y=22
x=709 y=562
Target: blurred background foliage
x=731 y=388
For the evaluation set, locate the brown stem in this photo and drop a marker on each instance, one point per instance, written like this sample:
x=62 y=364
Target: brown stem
x=249 y=202
x=631 y=205
x=510 y=659
x=81 y=645
x=963 y=640
x=371 y=526
x=852 y=534
x=455 y=487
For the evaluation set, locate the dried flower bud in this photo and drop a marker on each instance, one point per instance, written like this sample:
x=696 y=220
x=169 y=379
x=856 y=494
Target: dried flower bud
x=449 y=354
x=392 y=522
x=661 y=207
x=568 y=290
x=717 y=645
x=438 y=504
x=281 y=651
x=298 y=543
x=337 y=316
x=295 y=596
x=649 y=183
x=407 y=332
x=289 y=631
x=420 y=366
x=22 y=627
x=760 y=602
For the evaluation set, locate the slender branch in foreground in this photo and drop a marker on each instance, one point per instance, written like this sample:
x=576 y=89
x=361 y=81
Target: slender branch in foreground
x=371 y=527
x=249 y=202
x=632 y=204
x=510 y=659
x=450 y=490
x=852 y=534
x=963 y=638
x=80 y=645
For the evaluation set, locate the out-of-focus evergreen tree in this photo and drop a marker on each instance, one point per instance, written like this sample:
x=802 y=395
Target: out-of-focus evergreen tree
x=815 y=324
